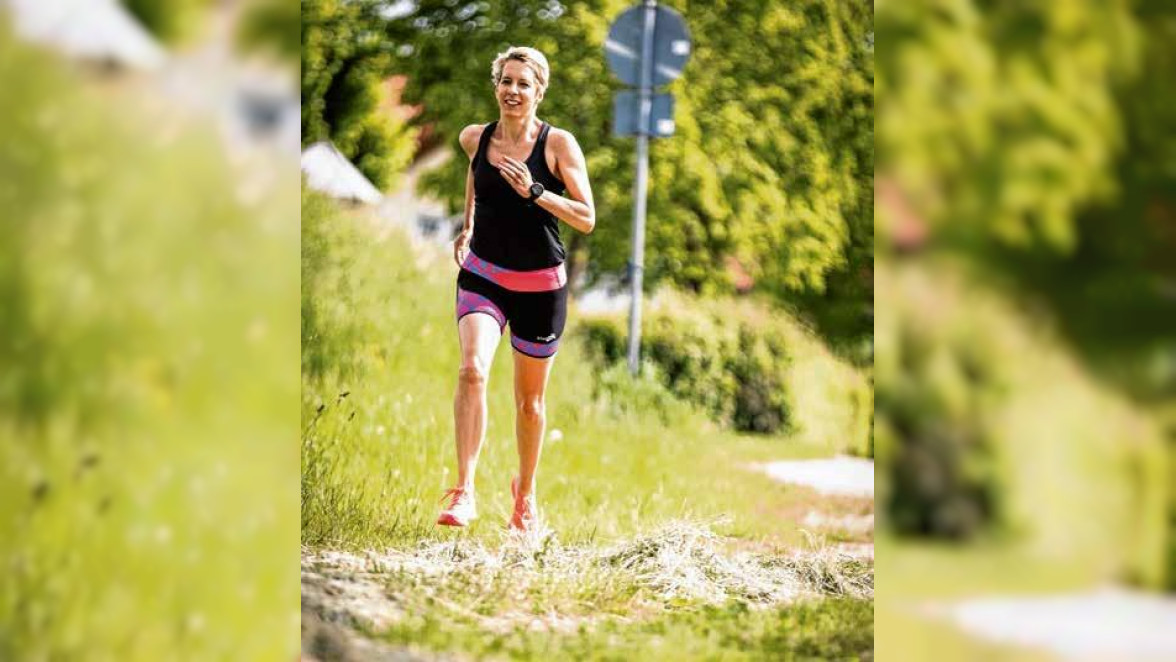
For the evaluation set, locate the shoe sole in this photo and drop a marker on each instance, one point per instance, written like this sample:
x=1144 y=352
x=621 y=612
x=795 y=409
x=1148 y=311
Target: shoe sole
x=450 y=520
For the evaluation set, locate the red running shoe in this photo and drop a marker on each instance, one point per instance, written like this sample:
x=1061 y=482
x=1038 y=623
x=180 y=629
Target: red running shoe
x=461 y=509
x=525 y=516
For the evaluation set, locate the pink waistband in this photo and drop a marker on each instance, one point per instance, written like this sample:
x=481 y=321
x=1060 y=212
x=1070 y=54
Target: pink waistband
x=540 y=280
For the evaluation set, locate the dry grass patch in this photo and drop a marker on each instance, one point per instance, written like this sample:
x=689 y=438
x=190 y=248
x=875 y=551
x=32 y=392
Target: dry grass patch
x=536 y=583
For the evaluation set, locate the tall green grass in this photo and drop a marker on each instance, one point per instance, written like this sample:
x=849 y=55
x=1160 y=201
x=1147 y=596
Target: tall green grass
x=147 y=383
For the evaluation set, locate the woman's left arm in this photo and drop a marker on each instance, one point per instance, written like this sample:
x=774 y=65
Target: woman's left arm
x=576 y=208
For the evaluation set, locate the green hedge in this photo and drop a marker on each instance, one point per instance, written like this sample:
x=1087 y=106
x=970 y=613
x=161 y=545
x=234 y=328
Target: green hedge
x=747 y=366
x=988 y=427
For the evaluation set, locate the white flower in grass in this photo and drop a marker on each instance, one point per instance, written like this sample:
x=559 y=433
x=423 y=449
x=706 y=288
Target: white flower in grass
x=555 y=435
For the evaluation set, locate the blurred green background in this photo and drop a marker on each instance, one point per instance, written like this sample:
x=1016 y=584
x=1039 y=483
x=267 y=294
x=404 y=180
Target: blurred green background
x=148 y=382
x=1026 y=293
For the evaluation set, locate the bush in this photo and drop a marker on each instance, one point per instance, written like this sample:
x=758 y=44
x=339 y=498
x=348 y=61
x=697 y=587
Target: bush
x=987 y=427
x=747 y=366
x=620 y=395
x=724 y=368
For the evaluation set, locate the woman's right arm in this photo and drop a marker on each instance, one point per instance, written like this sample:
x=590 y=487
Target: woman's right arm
x=469 y=142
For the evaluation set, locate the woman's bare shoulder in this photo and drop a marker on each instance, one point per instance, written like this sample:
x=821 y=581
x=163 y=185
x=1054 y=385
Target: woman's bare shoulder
x=563 y=141
x=469 y=138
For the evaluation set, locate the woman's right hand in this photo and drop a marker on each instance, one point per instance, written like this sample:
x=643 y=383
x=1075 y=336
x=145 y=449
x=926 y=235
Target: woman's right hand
x=461 y=247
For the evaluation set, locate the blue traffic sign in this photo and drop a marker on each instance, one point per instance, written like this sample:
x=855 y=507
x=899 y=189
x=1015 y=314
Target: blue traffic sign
x=627 y=114
x=671 y=45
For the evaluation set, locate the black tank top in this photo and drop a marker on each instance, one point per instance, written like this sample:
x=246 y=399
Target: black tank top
x=508 y=230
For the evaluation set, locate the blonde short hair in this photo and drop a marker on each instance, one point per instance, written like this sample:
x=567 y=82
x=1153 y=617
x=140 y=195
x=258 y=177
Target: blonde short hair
x=528 y=56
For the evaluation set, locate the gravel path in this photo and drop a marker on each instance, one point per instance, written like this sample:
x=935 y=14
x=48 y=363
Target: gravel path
x=842 y=475
x=1104 y=624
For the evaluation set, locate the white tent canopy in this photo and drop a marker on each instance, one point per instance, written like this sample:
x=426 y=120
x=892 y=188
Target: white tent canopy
x=330 y=172
x=88 y=29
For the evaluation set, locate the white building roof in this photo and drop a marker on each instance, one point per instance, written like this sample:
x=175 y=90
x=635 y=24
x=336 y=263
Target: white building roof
x=331 y=173
x=87 y=29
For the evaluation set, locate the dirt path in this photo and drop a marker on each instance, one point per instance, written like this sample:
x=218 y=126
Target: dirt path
x=842 y=475
x=840 y=482
x=1104 y=624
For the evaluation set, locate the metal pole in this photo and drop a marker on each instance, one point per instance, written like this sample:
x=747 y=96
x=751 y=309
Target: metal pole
x=637 y=263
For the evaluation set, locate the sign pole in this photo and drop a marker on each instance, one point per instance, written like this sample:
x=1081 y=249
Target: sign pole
x=640 y=185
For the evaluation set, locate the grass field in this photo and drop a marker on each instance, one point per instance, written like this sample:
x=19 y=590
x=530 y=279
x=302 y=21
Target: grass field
x=633 y=471
x=148 y=394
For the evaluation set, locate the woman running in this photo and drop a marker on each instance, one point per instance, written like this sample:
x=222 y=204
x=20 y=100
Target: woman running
x=523 y=176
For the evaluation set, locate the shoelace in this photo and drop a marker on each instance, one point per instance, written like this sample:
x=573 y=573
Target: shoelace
x=456 y=493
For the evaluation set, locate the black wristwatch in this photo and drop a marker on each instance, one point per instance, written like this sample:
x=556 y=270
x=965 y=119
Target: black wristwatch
x=536 y=191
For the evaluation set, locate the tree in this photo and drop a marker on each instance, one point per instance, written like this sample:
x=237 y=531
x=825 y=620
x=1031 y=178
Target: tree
x=344 y=62
x=998 y=118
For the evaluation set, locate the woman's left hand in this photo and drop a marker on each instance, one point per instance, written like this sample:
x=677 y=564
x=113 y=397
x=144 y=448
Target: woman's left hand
x=516 y=174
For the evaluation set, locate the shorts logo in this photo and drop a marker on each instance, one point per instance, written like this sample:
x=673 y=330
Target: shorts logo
x=548 y=338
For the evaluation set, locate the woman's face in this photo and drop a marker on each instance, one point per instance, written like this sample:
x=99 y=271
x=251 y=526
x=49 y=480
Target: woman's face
x=517 y=91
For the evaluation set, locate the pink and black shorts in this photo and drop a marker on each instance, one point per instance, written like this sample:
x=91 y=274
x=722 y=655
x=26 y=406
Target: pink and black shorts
x=534 y=303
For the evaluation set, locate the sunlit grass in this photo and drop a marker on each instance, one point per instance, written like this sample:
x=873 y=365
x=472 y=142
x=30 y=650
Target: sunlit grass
x=147 y=384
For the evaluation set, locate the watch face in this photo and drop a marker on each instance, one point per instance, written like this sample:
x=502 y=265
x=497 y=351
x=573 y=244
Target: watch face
x=536 y=189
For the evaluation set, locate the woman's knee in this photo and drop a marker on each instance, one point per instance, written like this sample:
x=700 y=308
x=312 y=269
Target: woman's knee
x=473 y=373
x=532 y=407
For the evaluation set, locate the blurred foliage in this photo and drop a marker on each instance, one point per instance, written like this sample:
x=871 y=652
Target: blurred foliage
x=986 y=427
x=1033 y=141
x=147 y=391
x=171 y=21
x=998 y=117
x=772 y=161
x=273 y=24
x=748 y=366
x=344 y=65
x=1049 y=157
x=1116 y=292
